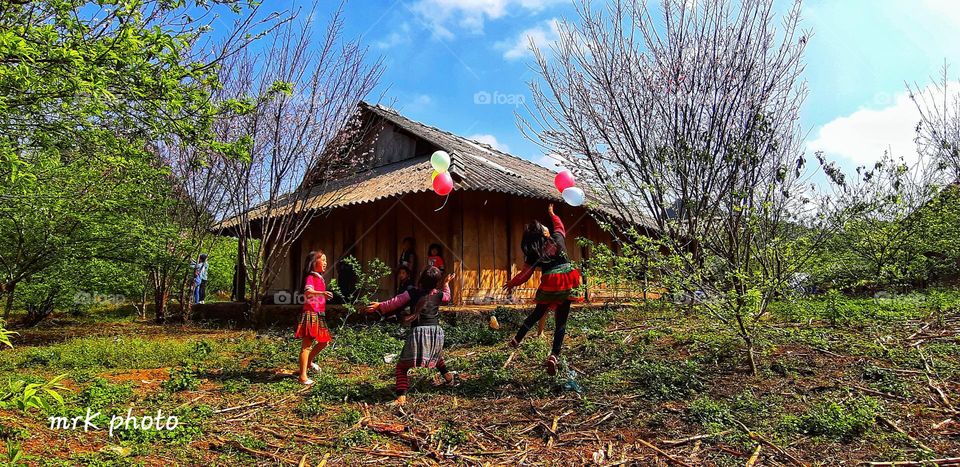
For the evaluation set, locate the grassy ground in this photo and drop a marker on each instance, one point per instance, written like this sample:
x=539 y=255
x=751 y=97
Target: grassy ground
x=843 y=381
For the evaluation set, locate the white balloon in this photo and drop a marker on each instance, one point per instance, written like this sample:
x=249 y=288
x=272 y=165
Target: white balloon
x=573 y=196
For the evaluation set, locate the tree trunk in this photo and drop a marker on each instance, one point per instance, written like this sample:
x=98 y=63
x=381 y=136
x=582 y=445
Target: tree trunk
x=143 y=299
x=186 y=299
x=241 y=270
x=256 y=313
x=747 y=339
x=161 y=294
x=9 y=289
x=160 y=297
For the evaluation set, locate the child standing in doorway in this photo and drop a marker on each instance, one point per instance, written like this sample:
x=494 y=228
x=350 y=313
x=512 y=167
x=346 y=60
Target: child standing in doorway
x=408 y=255
x=435 y=257
x=312 y=326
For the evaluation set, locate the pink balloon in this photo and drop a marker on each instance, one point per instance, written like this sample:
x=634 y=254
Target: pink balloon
x=443 y=184
x=563 y=180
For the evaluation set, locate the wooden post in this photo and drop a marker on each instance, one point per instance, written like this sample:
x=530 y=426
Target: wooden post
x=509 y=232
x=241 y=270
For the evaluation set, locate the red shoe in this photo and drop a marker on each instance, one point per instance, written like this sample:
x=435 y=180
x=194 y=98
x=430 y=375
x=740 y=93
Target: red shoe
x=551 y=365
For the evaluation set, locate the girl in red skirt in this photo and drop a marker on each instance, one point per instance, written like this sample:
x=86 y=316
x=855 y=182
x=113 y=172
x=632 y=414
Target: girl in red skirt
x=312 y=326
x=559 y=282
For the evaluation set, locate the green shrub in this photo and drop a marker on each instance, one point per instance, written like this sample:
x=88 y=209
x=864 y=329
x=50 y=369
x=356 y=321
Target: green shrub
x=357 y=438
x=838 y=310
x=472 y=331
x=348 y=417
x=488 y=373
x=329 y=388
x=449 y=435
x=270 y=353
x=709 y=413
x=884 y=380
x=665 y=380
x=200 y=350
x=841 y=421
x=367 y=345
x=312 y=406
x=125 y=353
x=189 y=427
x=235 y=385
x=182 y=379
x=104 y=395
x=607 y=381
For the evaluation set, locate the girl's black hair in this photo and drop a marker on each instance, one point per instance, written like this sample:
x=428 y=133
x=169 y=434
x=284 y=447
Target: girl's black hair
x=430 y=278
x=203 y=257
x=437 y=246
x=308 y=265
x=404 y=268
x=533 y=242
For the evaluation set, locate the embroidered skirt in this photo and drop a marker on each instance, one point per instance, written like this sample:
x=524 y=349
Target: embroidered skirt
x=559 y=285
x=313 y=325
x=424 y=347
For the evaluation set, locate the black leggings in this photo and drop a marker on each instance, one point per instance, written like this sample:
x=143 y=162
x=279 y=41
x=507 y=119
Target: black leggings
x=563 y=312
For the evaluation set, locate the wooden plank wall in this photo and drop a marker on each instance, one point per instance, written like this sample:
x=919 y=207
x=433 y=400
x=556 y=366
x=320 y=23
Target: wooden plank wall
x=480 y=233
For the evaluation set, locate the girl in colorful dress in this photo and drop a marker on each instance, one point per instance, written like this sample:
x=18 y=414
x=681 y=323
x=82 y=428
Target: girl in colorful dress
x=559 y=282
x=312 y=326
x=424 y=345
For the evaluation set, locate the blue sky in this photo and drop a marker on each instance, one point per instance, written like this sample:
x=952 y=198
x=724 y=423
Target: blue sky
x=441 y=56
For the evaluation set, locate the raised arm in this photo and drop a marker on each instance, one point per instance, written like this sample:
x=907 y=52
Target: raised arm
x=446 y=294
x=392 y=305
x=557 y=223
x=446 y=288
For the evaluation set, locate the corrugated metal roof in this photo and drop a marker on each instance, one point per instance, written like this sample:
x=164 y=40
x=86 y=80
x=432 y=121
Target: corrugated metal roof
x=474 y=166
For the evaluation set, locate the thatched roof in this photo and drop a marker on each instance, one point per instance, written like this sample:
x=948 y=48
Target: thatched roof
x=474 y=166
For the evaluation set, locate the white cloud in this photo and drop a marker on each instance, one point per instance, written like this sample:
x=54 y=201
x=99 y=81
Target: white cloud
x=948 y=8
x=401 y=36
x=863 y=136
x=419 y=102
x=443 y=16
x=551 y=161
x=542 y=35
x=490 y=140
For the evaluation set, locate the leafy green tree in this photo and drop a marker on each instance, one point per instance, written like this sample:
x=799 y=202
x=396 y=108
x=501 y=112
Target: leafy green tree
x=900 y=231
x=67 y=206
x=138 y=69
x=88 y=90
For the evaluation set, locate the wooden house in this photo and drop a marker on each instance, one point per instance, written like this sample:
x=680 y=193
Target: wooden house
x=479 y=227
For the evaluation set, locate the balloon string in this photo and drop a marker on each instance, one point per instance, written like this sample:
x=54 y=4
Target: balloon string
x=444 y=203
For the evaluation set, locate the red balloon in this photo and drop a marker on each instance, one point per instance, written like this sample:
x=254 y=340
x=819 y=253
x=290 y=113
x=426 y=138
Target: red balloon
x=563 y=180
x=443 y=184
